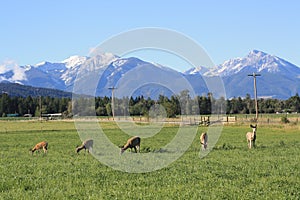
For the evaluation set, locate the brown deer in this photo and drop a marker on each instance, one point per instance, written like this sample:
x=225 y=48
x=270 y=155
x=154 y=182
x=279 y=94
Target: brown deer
x=203 y=140
x=251 y=136
x=42 y=145
x=133 y=142
x=86 y=145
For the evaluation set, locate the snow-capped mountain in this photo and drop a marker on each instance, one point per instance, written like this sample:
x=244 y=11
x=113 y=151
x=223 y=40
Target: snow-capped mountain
x=84 y=65
x=58 y=75
x=132 y=77
x=255 y=61
x=279 y=78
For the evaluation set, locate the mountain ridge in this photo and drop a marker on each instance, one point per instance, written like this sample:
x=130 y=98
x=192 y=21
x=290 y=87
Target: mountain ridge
x=15 y=89
x=280 y=78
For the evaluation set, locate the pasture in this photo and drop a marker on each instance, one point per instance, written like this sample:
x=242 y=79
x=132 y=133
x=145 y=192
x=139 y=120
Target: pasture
x=230 y=171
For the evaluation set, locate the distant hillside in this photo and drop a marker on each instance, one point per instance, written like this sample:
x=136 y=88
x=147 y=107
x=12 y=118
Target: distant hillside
x=15 y=89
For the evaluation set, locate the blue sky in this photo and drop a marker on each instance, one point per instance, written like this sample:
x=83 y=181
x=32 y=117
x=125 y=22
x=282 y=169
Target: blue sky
x=39 y=30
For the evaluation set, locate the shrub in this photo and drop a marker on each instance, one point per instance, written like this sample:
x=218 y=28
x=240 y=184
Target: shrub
x=285 y=120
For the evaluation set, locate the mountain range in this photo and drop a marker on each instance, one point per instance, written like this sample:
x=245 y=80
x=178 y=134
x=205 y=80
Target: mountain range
x=133 y=76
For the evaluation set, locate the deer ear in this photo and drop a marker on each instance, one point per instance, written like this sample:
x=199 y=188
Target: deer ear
x=251 y=126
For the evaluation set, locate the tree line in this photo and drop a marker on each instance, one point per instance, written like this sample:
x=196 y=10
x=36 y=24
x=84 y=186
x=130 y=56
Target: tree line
x=34 y=106
x=182 y=104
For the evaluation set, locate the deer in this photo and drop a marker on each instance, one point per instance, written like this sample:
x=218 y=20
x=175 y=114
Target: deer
x=133 y=142
x=86 y=145
x=41 y=145
x=203 y=140
x=251 y=136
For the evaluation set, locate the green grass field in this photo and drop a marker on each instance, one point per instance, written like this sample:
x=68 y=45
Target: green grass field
x=230 y=171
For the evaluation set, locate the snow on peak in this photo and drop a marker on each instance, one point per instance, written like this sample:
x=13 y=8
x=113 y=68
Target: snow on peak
x=100 y=60
x=257 y=53
x=40 y=64
x=119 y=62
x=263 y=61
x=73 y=61
x=196 y=70
x=255 y=61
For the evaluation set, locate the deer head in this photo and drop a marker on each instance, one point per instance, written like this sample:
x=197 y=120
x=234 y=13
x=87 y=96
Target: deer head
x=253 y=128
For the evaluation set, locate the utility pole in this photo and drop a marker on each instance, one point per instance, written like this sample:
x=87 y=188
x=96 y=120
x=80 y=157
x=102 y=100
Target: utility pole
x=112 y=101
x=255 y=94
x=40 y=102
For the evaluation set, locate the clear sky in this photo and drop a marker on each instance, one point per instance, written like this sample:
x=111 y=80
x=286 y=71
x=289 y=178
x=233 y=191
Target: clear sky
x=52 y=30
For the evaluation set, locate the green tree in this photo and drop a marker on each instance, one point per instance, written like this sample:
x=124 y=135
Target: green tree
x=293 y=103
x=108 y=109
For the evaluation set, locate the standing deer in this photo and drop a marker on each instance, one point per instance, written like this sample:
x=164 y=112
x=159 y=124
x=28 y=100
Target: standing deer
x=203 y=140
x=86 y=145
x=133 y=142
x=42 y=145
x=251 y=136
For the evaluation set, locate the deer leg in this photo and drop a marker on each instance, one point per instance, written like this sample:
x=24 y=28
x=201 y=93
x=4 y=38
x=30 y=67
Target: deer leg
x=45 y=149
x=89 y=149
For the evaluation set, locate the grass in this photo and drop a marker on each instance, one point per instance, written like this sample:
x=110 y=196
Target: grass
x=230 y=171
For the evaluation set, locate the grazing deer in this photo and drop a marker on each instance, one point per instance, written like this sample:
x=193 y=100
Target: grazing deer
x=203 y=140
x=251 y=136
x=133 y=142
x=86 y=145
x=42 y=145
